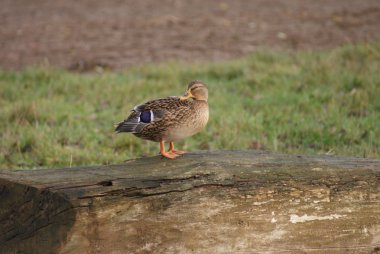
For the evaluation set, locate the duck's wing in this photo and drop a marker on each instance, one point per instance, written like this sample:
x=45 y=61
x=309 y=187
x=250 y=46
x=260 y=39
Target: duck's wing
x=152 y=112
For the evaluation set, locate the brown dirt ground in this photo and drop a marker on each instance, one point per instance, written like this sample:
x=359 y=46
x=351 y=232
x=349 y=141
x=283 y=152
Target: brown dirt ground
x=81 y=34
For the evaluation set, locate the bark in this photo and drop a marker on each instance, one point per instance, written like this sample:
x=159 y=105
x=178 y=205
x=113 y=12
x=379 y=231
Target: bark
x=205 y=202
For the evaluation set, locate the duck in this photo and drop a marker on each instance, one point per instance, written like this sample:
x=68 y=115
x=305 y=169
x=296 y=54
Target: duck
x=169 y=119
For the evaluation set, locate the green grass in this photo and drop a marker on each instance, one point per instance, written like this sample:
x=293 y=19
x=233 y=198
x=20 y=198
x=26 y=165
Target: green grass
x=297 y=103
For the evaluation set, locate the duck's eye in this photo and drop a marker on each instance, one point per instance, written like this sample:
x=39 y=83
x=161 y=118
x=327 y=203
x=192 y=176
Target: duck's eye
x=145 y=117
x=194 y=88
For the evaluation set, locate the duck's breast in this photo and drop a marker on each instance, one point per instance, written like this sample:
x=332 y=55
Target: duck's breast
x=193 y=124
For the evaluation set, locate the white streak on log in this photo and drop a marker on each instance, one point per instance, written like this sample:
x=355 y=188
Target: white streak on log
x=294 y=218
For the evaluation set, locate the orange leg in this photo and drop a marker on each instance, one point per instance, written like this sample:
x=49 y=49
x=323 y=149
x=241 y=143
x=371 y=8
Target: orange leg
x=172 y=150
x=164 y=153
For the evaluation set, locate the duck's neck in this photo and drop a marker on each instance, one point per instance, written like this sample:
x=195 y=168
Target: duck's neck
x=204 y=101
x=200 y=105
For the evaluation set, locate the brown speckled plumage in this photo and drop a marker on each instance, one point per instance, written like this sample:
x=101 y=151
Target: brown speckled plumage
x=169 y=119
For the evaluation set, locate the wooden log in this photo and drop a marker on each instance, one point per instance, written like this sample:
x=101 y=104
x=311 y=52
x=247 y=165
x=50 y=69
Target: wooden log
x=205 y=202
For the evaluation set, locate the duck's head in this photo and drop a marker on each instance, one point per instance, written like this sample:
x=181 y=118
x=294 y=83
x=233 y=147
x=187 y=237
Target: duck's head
x=196 y=90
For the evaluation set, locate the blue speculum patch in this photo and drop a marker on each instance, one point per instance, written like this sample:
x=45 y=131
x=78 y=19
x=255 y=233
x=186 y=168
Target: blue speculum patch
x=145 y=117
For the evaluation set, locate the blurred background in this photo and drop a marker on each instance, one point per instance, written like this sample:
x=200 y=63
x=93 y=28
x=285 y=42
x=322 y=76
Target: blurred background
x=80 y=35
x=290 y=76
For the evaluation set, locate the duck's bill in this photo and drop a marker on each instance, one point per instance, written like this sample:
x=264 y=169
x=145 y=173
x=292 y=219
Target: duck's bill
x=187 y=96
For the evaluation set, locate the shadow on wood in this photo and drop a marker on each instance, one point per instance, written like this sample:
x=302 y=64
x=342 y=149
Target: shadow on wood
x=205 y=202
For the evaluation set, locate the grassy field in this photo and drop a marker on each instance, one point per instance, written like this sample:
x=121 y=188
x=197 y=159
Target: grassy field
x=299 y=103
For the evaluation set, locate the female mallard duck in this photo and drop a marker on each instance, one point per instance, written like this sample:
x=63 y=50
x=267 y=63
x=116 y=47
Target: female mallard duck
x=169 y=119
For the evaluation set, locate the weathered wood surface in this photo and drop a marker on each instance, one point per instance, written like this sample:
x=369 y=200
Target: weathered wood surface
x=206 y=202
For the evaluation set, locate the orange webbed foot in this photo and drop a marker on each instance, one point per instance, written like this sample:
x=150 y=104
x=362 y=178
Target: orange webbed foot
x=172 y=150
x=169 y=155
x=179 y=152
